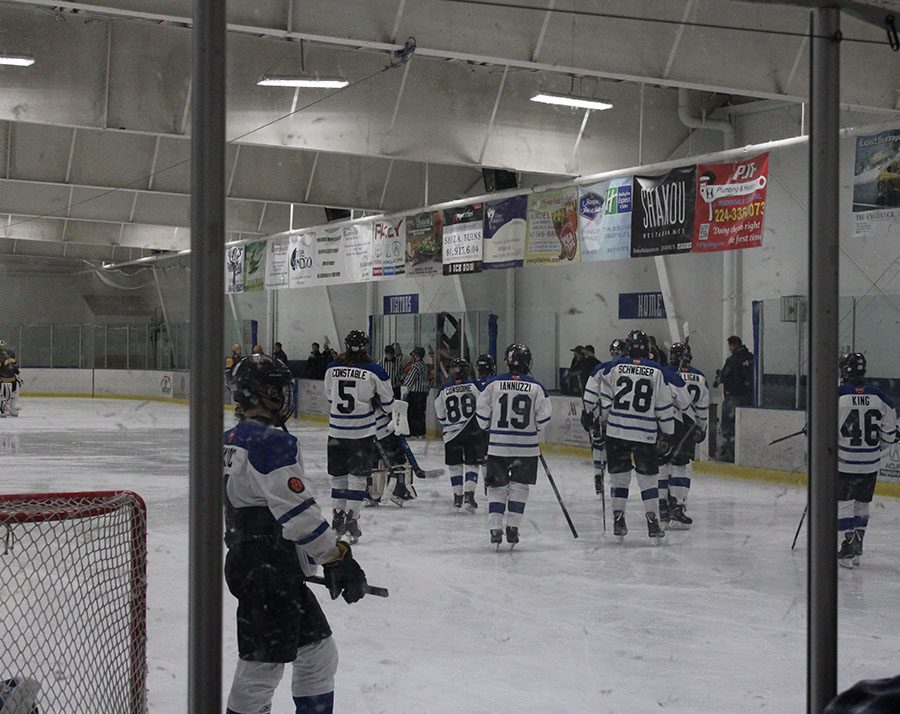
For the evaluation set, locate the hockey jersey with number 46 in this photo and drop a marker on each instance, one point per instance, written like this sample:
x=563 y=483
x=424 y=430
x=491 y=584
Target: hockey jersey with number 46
x=867 y=423
x=515 y=408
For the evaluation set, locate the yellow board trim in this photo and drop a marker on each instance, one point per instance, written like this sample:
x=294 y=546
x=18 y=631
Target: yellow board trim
x=129 y=397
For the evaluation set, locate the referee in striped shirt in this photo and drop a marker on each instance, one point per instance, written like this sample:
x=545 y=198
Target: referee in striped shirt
x=392 y=367
x=414 y=390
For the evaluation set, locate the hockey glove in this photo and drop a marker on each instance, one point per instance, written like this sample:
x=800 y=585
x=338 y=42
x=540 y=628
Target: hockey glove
x=343 y=576
x=398 y=417
x=598 y=436
x=699 y=435
x=587 y=420
x=662 y=444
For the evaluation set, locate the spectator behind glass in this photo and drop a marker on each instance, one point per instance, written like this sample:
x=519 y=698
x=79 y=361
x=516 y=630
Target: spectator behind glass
x=278 y=353
x=588 y=362
x=736 y=377
x=316 y=363
x=574 y=385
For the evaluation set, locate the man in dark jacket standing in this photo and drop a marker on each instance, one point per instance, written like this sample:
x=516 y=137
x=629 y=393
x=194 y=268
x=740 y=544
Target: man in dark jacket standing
x=736 y=377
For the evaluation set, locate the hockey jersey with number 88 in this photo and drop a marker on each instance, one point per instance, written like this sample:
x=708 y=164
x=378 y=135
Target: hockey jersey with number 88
x=635 y=400
x=867 y=423
x=455 y=405
x=516 y=408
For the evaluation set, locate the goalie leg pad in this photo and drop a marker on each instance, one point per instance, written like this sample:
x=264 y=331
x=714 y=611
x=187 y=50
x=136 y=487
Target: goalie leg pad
x=399 y=419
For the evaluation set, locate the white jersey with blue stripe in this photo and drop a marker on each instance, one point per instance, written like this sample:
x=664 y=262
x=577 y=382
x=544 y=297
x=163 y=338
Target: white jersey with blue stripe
x=635 y=400
x=592 y=388
x=350 y=389
x=681 y=397
x=263 y=468
x=516 y=408
x=455 y=405
x=867 y=423
x=698 y=388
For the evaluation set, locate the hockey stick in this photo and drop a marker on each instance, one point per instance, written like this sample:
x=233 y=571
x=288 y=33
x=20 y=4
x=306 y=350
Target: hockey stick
x=558 y=497
x=799 y=526
x=603 y=499
x=370 y=589
x=411 y=457
x=789 y=436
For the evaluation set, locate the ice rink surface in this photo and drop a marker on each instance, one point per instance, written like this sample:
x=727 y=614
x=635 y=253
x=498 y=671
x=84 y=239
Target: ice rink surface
x=712 y=620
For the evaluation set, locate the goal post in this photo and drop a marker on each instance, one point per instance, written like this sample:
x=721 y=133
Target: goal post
x=73 y=599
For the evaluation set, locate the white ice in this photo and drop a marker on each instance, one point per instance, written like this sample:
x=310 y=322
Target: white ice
x=713 y=620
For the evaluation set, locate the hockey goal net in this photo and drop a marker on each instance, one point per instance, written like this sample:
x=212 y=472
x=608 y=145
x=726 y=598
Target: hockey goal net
x=73 y=599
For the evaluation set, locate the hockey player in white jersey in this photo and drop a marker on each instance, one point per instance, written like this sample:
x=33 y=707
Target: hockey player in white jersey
x=352 y=382
x=590 y=416
x=690 y=394
x=393 y=461
x=867 y=423
x=515 y=408
x=464 y=444
x=276 y=536
x=636 y=407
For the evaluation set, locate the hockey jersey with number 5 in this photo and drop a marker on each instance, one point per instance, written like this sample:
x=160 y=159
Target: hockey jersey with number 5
x=867 y=423
x=635 y=400
x=455 y=405
x=515 y=408
x=350 y=389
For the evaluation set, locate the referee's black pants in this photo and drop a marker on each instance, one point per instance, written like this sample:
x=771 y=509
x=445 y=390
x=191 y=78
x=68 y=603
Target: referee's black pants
x=415 y=413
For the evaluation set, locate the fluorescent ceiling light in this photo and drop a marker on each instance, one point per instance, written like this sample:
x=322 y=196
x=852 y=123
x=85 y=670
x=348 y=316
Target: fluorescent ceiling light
x=570 y=100
x=16 y=60
x=301 y=81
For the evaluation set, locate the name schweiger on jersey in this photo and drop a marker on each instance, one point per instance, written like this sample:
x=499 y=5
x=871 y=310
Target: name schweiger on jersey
x=636 y=400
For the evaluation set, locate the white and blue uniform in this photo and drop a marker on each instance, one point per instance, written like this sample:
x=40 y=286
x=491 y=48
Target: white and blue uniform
x=275 y=533
x=636 y=404
x=351 y=390
x=867 y=425
x=515 y=408
x=690 y=393
x=454 y=407
x=591 y=402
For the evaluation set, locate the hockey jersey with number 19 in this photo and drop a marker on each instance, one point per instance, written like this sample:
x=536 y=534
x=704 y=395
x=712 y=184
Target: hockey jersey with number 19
x=454 y=406
x=867 y=423
x=635 y=400
x=515 y=408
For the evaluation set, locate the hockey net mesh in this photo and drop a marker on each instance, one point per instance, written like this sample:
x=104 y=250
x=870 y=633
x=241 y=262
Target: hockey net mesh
x=73 y=599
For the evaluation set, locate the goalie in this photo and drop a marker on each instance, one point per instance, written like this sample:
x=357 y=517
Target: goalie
x=9 y=382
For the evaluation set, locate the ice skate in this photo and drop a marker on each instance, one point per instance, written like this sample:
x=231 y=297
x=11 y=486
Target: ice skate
x=620 y=530
x=512 y=536
x=401 y=494
x=370 y=502
x=664 y=514
x=496 y=537
x=470 y=504
x=339 y=522
x=848 y=550
x=352 y=527
x=457 y=501
x=653 y=528
x=679 y=520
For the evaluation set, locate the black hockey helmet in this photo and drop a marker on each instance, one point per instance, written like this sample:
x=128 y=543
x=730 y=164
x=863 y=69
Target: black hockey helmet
x=356 y=341
x=518 y=358
x=680 y=354
x=852 y=366
x=262 y=381
x=637 y=344
x=485 y=365
x=459 y=368
x=617 y=348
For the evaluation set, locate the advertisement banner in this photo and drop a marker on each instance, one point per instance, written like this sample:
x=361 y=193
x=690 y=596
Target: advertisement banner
x=504 y=233
x=552 y=235
x=876 y=184
x=254 y=266
x=890 y=464
x=604 y=220
x=663 y=219
x=424 y=233
x=389 y=245
x=302 y=262
x=730 y=205
x=278 y=255
x=330 y=264
x=462 y=238
x=358 y=252
x=234 y=269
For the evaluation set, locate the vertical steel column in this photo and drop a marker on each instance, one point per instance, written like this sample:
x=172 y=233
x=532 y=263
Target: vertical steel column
x=824 y=185
x=207 y=313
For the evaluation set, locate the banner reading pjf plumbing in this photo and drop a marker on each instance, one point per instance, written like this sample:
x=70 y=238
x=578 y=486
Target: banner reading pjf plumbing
x=731 y=205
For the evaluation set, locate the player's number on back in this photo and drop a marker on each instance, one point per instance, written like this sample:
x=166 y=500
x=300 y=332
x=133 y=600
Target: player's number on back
x=635 y=395
x=460 y=407
x=347 y=402
x=515 y=411
x=695 y=392
x=868 y=430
